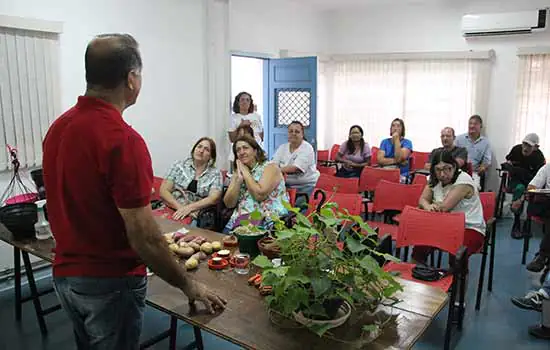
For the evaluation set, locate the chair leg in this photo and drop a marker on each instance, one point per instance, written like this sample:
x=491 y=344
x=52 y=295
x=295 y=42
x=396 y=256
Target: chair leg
x=448 y=329
x=17 y=282
x=34 y=293
x=462 y=296
x=482 y=270
x=492 y=259
x=526 y=237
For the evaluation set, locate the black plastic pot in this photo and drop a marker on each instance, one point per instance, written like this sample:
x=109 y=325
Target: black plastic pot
x=20 y=219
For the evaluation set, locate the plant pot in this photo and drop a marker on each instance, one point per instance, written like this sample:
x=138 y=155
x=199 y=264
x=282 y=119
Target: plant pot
x=341 y=316
x=249 y=243
x=269 y=248
x=19 y=219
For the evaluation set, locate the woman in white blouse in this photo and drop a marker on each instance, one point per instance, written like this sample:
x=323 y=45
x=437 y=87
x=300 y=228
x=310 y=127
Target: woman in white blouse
x=297 y=160
x=453 y=190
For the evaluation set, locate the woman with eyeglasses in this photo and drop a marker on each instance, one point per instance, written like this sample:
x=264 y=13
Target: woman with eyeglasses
x=452 y=190
x=297 y=160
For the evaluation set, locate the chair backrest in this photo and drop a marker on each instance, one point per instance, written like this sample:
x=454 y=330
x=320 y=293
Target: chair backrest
x=488 y=202
x=329 y=170
x=370 y=177
x=334 y=151
x=322 y=155
x=420 y=179
x=331 y=183
x=395 y=196
x=419 y=159
x=157 y=181
x=374 y=156
x=444 y=231
x=291 y=195
x=352 y=202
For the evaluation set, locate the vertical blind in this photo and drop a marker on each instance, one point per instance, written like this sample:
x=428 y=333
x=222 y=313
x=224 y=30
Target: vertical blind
x=29 y=92
x=533 y=99
x=428 y=94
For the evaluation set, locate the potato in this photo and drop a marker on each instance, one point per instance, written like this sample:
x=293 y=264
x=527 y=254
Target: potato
x=173 y=247
x=191 y=264
x=216 y=245
x=196 y=256
x=207 y=248
x=185 y=251
x=195 y=246
x=183 y=244
x=203 y=256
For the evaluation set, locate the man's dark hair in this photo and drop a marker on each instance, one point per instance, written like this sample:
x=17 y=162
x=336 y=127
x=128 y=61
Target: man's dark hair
x=478 y=118
x=108 y=64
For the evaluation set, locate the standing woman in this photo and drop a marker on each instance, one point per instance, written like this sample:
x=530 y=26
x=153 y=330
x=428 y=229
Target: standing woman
x=297 y=160
x=244 y=115
x=395 y=151
x=354 y=154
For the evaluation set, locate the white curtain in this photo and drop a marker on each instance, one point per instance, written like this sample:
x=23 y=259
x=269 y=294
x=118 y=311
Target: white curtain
x=427 y=93
x=29 y=92
x=533 y=99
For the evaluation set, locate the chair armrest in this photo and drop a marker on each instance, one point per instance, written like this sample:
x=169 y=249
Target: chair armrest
x=461 y=261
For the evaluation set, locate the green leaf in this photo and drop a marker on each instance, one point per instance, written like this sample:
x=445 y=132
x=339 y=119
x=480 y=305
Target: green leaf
x=255 y=215
x=369 y=264
x=315 y=310
x=370 y=328
x=285 y=234
x=244 y=223
x=327 y=213
x=354 y=245
x=320 y=285
x=262 y=262
x=279 y=271
x=301 y=220
x=319 y=329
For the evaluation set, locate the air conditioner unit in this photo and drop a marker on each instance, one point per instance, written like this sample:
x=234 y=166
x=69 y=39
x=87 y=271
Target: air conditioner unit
x=510 y=23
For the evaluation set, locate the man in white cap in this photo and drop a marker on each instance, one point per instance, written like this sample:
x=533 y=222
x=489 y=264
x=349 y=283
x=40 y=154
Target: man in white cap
x=522 y=163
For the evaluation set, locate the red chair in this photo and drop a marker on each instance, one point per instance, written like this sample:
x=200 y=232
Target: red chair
x=155 y=193
x=323 y=155
x=328 y=170
x=334 y=151
x=337 y=184
x=374 y=156
x=444 y=231
x=370 y=177
x=418 y=160
x=420 y=179
x=488 y=201
x=291 y=196
x=352 y=202
x=391 y=196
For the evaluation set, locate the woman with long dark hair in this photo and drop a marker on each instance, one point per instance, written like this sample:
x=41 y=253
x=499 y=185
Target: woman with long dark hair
x=243 y=115
x=354 y=154
x=452 y=190
x=395 y=151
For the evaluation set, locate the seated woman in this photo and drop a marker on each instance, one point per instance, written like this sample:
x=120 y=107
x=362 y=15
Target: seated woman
x=396 y=150
x=452 y=190
x=256 y=184
x=240 y=131
x=297 y=160
x=193 y=184
x=354 y=154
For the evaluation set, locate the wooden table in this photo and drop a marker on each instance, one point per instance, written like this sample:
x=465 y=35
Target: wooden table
x=245 y=320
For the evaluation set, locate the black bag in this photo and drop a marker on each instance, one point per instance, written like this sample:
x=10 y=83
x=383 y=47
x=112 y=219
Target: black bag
x=427 y=273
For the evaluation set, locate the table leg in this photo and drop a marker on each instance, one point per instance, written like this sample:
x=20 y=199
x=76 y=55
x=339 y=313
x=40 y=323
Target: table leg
x=17 y=282
x=198 y=338
x=34 y=293
x=173 y=332
x=492 y=259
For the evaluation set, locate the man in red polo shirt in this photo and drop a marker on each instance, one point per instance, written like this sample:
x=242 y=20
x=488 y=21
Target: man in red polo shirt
x=98 y=178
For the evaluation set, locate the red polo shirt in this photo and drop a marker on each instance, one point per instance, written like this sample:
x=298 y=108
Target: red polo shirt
x=93 y=164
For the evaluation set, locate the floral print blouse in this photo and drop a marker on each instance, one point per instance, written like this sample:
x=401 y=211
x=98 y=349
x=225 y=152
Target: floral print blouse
x=273 y=204
x=181 y=173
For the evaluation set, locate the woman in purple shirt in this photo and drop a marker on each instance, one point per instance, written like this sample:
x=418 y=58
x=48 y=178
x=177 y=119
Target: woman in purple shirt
x=354 y=154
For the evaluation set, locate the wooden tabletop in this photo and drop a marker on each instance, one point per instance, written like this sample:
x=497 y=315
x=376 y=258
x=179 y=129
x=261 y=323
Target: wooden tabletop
x=246 y=322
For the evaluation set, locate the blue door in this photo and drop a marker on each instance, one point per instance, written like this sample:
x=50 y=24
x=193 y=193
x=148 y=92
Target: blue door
x=291 y=95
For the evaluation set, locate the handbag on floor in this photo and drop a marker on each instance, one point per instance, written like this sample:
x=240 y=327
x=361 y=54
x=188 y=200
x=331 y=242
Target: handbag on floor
x=428 y=273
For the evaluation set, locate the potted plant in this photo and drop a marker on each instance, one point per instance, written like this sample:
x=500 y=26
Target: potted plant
x=328 y=268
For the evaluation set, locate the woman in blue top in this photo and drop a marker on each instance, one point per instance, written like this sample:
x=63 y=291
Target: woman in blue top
x=396 y=150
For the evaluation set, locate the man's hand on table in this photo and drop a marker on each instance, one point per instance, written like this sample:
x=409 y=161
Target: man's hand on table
x=197 y=291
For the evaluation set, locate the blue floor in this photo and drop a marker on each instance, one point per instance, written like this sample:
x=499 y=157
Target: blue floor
x=498 y=325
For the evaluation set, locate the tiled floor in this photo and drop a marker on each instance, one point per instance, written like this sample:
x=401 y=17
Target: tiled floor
x=498 y=325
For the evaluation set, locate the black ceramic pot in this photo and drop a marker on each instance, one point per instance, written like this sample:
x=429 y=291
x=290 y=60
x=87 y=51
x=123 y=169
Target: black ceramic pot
x=20 y=219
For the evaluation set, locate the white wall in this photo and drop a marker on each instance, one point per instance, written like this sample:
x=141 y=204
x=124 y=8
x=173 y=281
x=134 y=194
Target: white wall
x=435 y=26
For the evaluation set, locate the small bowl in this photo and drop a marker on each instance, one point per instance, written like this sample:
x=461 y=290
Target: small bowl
x=217 y=261
x=224 y=253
